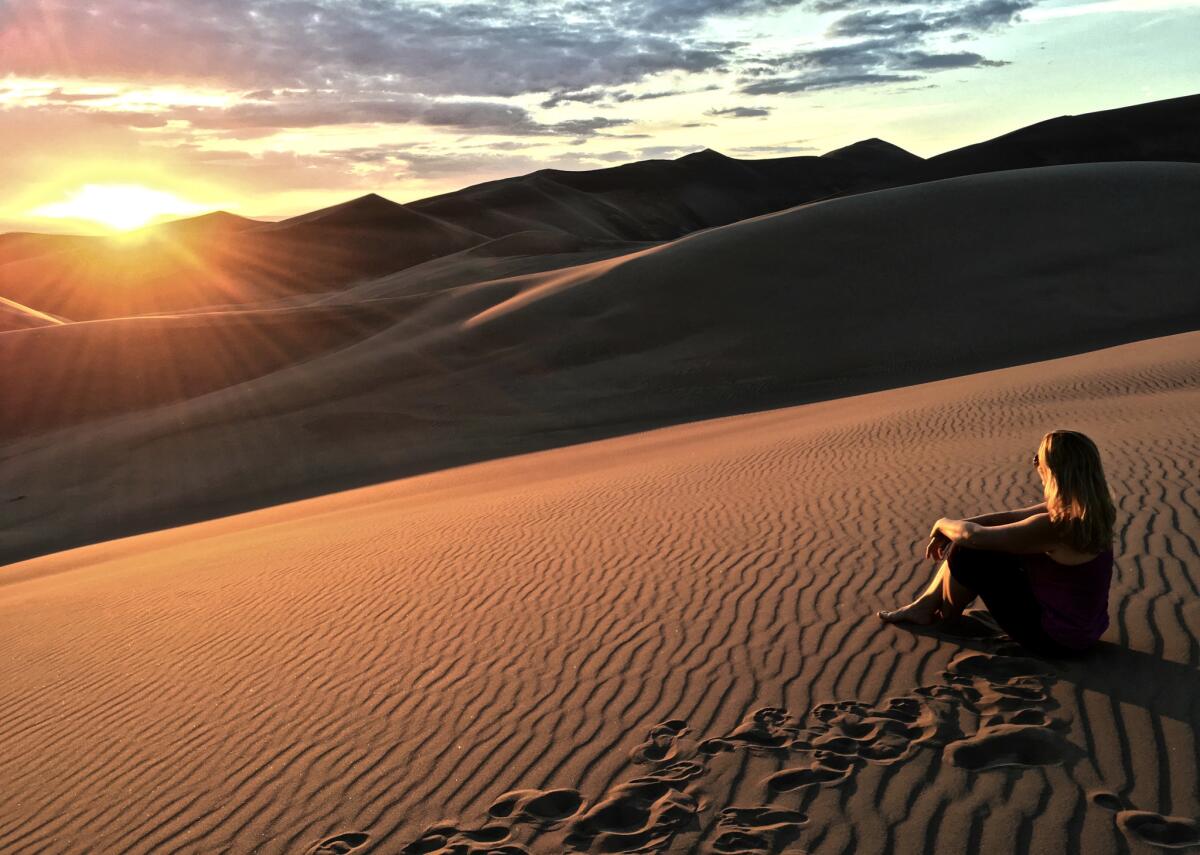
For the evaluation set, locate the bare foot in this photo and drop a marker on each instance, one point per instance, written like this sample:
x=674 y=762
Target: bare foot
x=921 y=612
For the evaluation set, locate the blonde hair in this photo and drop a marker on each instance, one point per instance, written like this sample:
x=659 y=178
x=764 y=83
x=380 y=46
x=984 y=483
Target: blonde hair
x=1076 y=491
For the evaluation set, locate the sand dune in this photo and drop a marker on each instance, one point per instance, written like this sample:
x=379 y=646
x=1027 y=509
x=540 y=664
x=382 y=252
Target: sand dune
x=664 y=199
x=83 y=371
x=219 y=259
x=14 y=316
x=1167 y=130
x=838 y=296
x=659 y=642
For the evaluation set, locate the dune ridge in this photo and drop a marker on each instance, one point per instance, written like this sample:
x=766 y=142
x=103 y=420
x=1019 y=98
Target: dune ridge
x=657 y=641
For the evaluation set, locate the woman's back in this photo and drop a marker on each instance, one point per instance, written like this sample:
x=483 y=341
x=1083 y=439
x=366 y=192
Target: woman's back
x=1074 y=597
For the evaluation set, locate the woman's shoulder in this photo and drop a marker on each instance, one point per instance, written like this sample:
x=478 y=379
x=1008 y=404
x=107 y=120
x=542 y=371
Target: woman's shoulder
x=1069 y=556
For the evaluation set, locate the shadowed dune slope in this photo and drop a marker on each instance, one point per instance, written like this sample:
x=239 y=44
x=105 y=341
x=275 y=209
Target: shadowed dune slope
x=662 y=199
x=655 y=643
x=71 y=374
x=814 y=302
x=1021 y=262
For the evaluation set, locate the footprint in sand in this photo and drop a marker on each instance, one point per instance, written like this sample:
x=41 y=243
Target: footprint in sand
x=661 y=744
x=756 y=829
x=1166 y=832
x=340 y=844
x=825 y=770
x=641 y=815
x=543 y=808
x=879 y=735
x=765 y=729
x=1169 y=832
x=489 y=840
x=1008 y=745
x=661 y=810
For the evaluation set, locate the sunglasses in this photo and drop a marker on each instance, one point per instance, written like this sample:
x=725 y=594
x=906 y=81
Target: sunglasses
x=1036 y=462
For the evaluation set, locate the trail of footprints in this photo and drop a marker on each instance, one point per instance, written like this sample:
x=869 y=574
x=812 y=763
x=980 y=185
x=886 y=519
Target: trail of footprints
x=667 y=806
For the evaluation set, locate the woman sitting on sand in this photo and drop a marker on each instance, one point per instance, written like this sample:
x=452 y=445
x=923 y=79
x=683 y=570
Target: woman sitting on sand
x=1042 y=571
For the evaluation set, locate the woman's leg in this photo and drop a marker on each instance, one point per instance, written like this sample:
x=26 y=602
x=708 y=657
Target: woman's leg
x=945 y=598
x=926 y=608
x=955 y=595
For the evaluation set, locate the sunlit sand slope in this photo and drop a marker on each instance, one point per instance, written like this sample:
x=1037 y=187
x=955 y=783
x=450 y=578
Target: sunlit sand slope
x=669 y=631
x=14 y=316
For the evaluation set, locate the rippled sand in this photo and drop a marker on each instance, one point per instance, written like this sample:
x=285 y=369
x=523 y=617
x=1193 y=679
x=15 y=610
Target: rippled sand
x=660 y=642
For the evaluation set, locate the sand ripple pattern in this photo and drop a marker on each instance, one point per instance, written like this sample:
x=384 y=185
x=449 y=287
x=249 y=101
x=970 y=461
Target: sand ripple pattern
x=601 y=648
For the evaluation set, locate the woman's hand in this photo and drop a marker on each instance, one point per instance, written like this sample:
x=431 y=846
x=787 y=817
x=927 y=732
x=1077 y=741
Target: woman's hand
x=939 y=543
x=938 y=546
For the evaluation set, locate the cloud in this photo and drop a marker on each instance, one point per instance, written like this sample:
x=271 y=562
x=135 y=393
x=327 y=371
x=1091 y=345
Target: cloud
x=666 y=151
x=885 y=46
x=972 y=17
x=602 y=96
x=307 y=63
x=739 y=112
x=251 y=119
x=821 y=80
x=58 y=96
x=492 y=48
x=781 y=150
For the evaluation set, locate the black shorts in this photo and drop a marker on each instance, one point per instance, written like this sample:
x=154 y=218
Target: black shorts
x=1001 y=582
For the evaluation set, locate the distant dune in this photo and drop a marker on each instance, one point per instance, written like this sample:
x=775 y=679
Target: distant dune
x=207 y=262
x=1162 y=130
x=221 y=259
x=814 y=302
x=665 y=637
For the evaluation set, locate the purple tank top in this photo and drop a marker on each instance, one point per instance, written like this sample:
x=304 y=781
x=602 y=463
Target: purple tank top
x=1074 y=598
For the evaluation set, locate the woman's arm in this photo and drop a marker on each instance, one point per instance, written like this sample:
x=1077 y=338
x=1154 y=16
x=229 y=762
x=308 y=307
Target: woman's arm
x=1034 y=533
x=1005 y=517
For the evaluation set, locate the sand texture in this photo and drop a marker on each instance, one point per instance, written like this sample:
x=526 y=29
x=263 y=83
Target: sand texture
x=660 y=642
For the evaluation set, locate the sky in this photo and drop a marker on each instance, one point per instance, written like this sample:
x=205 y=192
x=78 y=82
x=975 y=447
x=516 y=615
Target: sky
x=269 y=108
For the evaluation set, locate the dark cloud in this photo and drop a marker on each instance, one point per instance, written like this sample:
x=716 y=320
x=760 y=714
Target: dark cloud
x=822 y=80
x=888 y=46
x=498 y=48
x=739 y=112
x=936 y=61
x=970 y=18
x=843 y=5
x=617 y=96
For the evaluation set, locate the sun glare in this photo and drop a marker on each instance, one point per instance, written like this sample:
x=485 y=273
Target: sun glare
x=118 y=206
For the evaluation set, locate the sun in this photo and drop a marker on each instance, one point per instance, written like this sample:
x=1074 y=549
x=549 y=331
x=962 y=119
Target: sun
x=119 y=207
